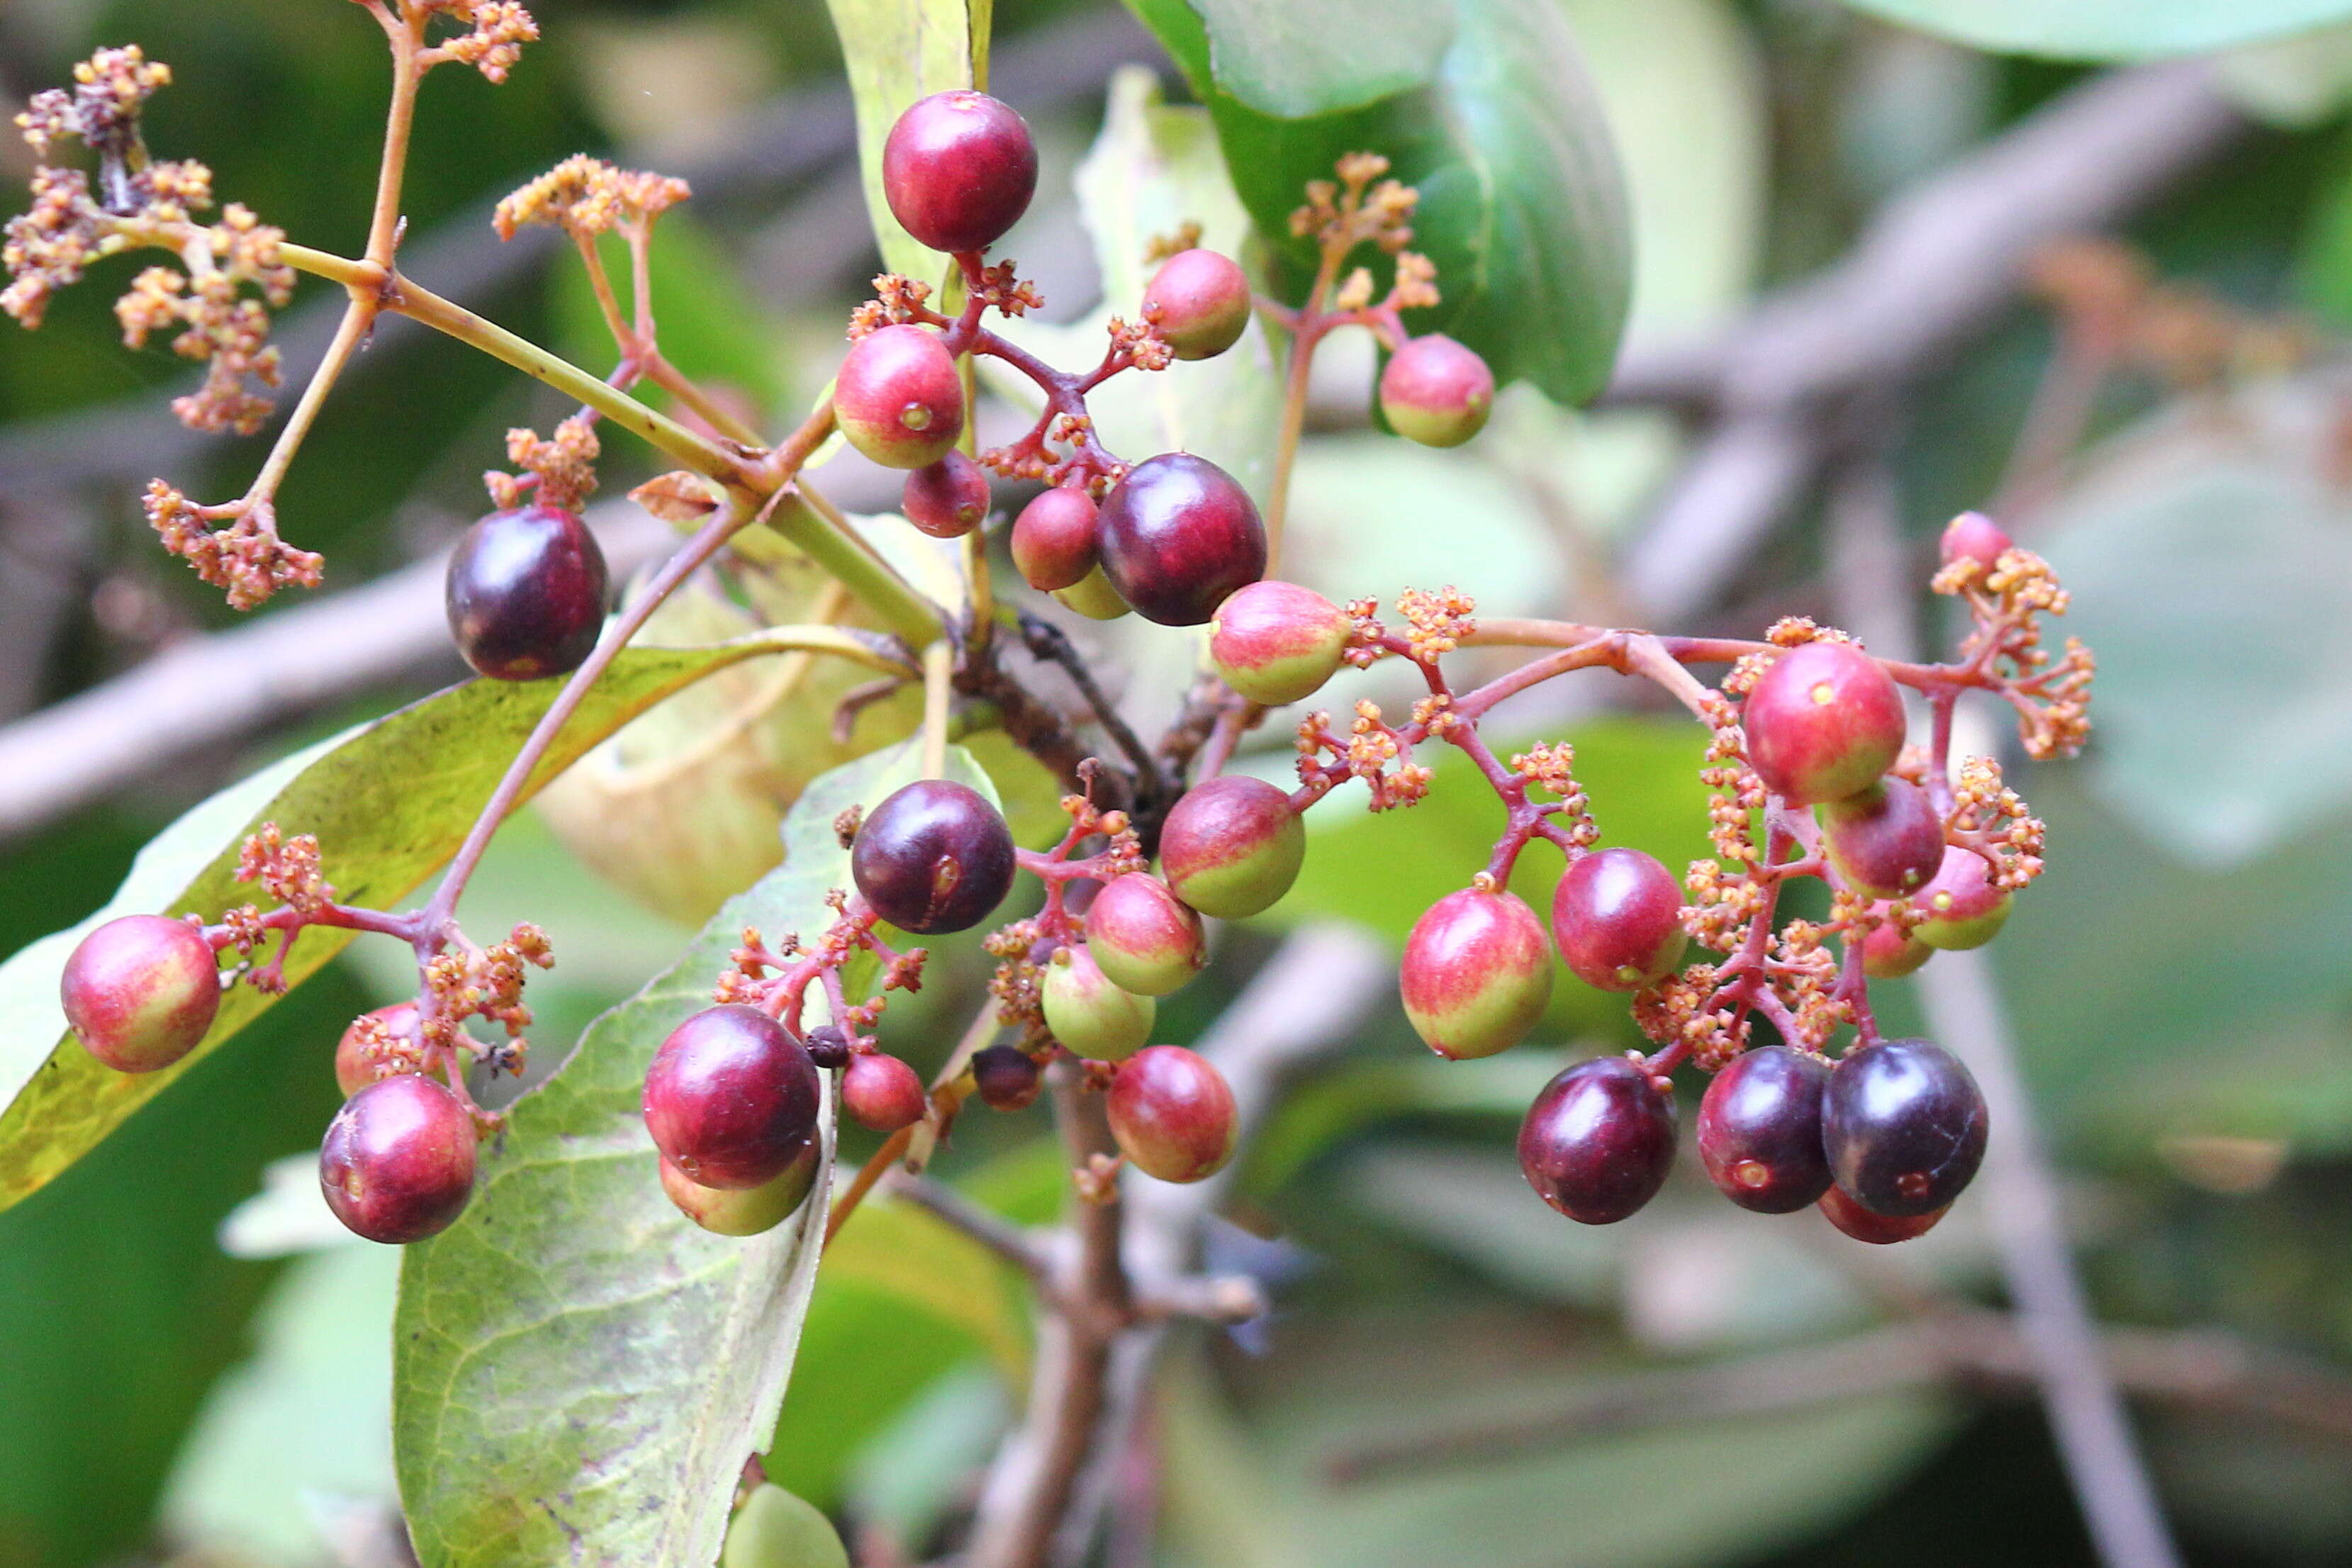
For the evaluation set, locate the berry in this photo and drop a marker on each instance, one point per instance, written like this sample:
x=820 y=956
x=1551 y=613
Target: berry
x=1144 y=939
x=828 y=1047
x=525 y=593
x=933 y=857
x=1904 y=1126
x=1199 y=301
x=1975 y=536
x=1006 y=1077
x=1477 y=973
x=1277 y=642
x=731 y=1098
x=140 y=991
x=1090 y=1015
x=1177 y=535
x=1964 y=907
x=1436 y=391
x=1171 y=1114
x=1890 y=954
x=356 y=1064
x=397 y=1163
x=1878 y=1230
x=897 y=397
x=1598 y=1140
x=1759 y=1130
x=1233 y=846
x=743 y=1211
x=882 y=1092
x=1054 y=539
x=1885 y=840
x=946 y=500
x=1093 y=597
x=1618 y=918
x=958 y=170
x=775 y=1529
x=1822 y=722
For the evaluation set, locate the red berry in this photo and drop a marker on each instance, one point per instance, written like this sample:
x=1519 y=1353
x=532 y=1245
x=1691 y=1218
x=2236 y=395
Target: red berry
x=731 y=1098
x=933 y=857
x=882 y=1092
x=525 y=593
x=140 y=991
x=1054 y=539
x=1436 y=391
x=743 y=1211
x=1823 y=722
x=1878 y=1230
x=897 y=397
x=1885 y=840
x=946 y=500
x=959 y=169
x=1199 y=301
x=1144 y=938
x=1006 y=1077
x=1617 y=915
x=1233 y=846
x=1599 y=1140
x=1087 y=1014
x=1177 y=535
x=357 y=1064
x=1975 y=536
x=1889 y=952
x=397 y=1163
x=1964 y=907
x=1171 y=1114
x=1277 y=643
x=1759 y=1130
x=1477 y=973
x=1903 y=1125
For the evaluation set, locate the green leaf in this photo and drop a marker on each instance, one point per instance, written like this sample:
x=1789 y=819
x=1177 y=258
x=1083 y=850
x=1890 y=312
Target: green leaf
x=579 y=1372
x=2106 y=29
x=390 y=801
x=895 y=52
x=1293 y=59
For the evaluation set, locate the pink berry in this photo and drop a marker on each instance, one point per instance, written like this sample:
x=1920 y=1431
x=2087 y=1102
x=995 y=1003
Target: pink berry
x=1885 y=840
x=1054 y=539
x=1143 y=937
x=898 y=396
x=1233 y=846
x=140 y=991
x=959 y=169
x=1477 y=973
x=1823 y=722
x=1199 y=301
x=1965 y=908
x=357 y=1065
x=882 y=1093
x=1975 y=536
x=946 y=500
x=1171 y=1114
x=1277 y=642
x=1436 y=391
x=1889 y=952
x=1617 y=916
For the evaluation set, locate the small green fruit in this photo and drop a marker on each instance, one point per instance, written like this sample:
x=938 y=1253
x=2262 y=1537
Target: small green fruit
x=1233 y=846
x=1093 y=597
x=746 y=1212
x=1146 y=940
x=1275 y=642
x=775 y=1528
x=1088 y=1014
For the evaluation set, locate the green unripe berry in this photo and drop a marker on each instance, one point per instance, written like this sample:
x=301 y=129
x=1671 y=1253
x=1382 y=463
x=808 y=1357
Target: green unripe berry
x=1146 y=940
x=1233 y=846
x=747 y=1211
x=1964 y=907
x=775 y=1528
x=1089 y=1015
x=1436 y=391
x=1093 y=597
x=1275 y=642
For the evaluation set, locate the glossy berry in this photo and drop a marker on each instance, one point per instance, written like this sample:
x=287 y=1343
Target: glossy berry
x=1054 y=539
x=1975 y=536
x=1822 y=722
x=933 y=857
x=1878 y=1230
x=958 y=170
x=1171 y=1114
x=397 y=1164
x=1086 y=1013
x=1617 y=916
x=1006 y=1077
x=1477 y=973
x=1903 y=1125
x=356 y=1064
x=1890 y=954
x=140 y=991
x=1199 y=301
x=1885 y=840
x=1598 y=1142
x=1964 y=907
x=1436 y=391
x=525 y=594
x=1277 y=643
x=1177 y=535
x=1759 y=1130
x=882 y=1092
x=946 y=500
x=897 y=397
x=1093 y=597
x=743 y=1211
x=828 y=1047
x=1144 y=938
x=775 y=1528
x=731 y=1098
x=1233 y=846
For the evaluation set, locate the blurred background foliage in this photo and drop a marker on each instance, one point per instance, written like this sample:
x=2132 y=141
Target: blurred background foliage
x=170 y=1391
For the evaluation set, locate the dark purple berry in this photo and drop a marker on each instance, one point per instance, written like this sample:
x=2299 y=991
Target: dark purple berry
x=1177 y=535
x=828 y=1047
x=1233 y=846
x=959 y=169
x=897 y=397
x=1822 y=722
x=1887 y=840
x=140 y=991
x=1006 y=1077
x=397 y=1164
x=1436 y=391
x=1598 y=1140
x=731 y=1098
x=1054 y=539
x=526 y=592
x=1759 y=1130
x=1903 y=1125
x=1878 y=1230
x=1477 y=973
x=1171 y=1114
x=946 y=500
x=1199 y=301
x=358 y=1061
x=882 y=1093
x=1617 y=915
x=933 y=857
